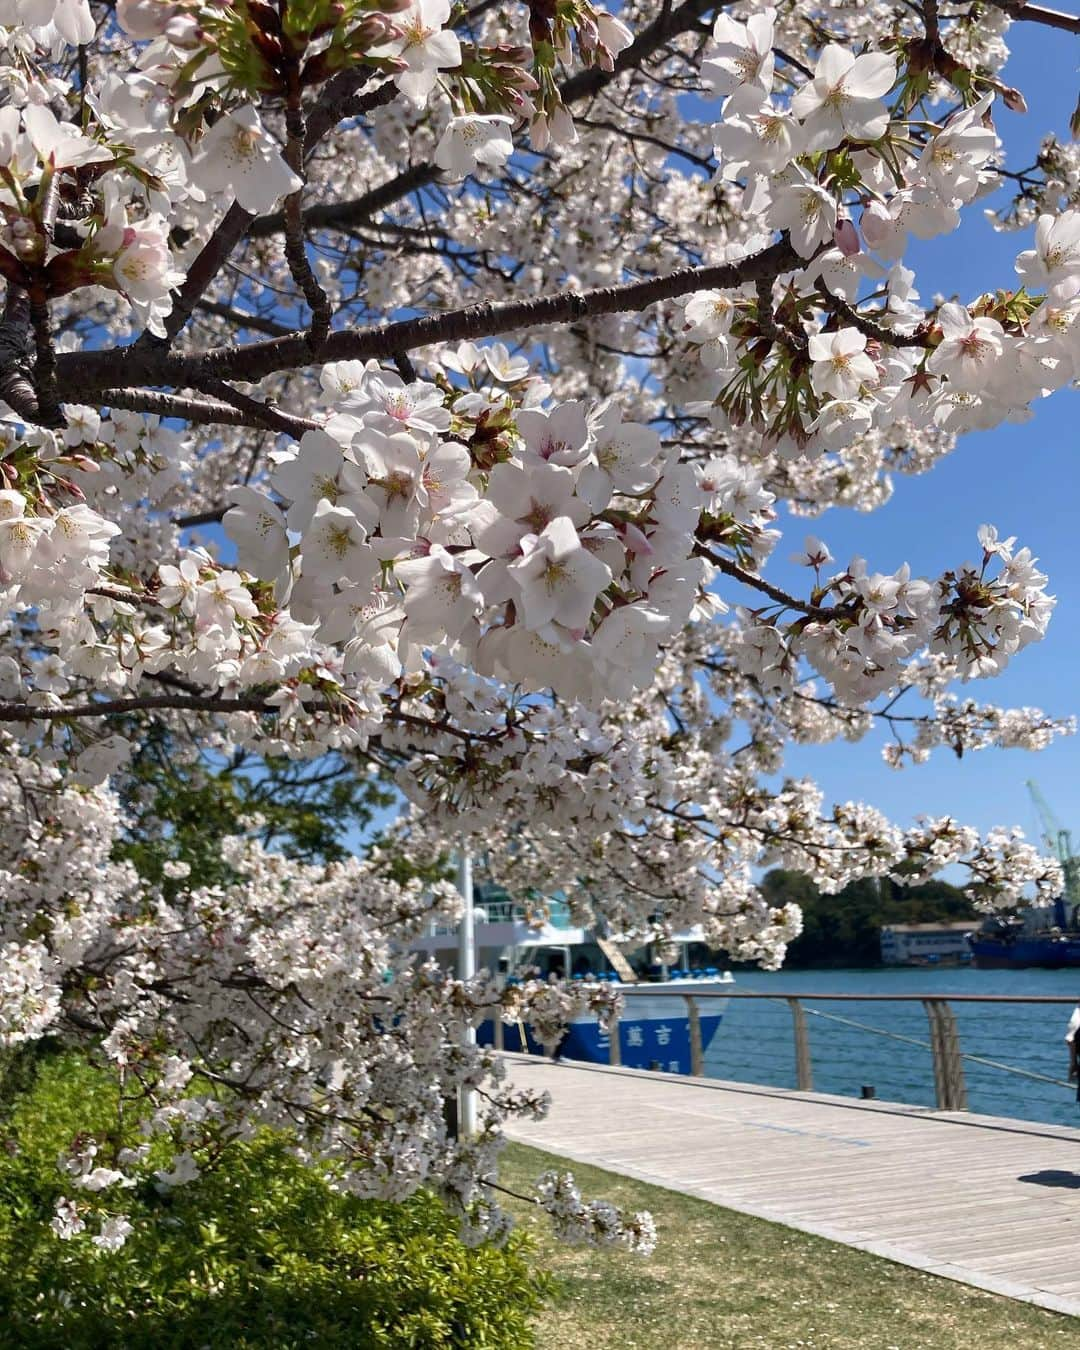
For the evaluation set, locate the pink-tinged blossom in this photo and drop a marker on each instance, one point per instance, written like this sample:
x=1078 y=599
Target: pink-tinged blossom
x=805 y=210
x=1056 y=255
x=755 y=137
x=969 y=348
x=442 y=595
x=426 y=46
x=335 y=545
x=558 y=436
x=954 y=157
x=814 y=553
x=557 y=580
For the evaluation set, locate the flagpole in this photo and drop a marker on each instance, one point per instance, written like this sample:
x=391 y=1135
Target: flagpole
x=466 y=971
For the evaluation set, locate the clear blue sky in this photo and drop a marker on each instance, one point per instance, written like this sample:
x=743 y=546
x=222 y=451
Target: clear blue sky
x=1024 y=479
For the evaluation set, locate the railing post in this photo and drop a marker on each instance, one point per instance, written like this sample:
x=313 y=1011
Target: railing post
x=498 y=1035
x=697 y=1056
x=953 y=1065
x=804 y=1069
x=614 y=1048
x=942 y=1085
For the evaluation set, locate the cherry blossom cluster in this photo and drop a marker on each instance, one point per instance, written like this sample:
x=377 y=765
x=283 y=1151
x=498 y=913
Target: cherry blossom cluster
x=428 y=385
x=850 y=176
x=287 y=999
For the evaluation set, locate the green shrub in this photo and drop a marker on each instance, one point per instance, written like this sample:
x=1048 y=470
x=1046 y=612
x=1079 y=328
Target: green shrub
x=260 y=1251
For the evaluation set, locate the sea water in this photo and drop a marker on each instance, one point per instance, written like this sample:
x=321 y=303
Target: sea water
x=755 y=1043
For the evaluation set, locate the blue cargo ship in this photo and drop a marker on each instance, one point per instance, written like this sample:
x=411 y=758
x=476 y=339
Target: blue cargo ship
x=1008 y=944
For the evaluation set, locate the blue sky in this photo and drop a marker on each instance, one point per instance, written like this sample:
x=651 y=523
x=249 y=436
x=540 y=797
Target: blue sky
x=1024 y=479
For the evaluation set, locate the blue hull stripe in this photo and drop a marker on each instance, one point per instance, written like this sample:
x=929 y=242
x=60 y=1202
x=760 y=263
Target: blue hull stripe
x=646 y=1044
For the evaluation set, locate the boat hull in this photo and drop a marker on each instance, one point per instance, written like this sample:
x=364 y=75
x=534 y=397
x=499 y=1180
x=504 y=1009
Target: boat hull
x=652 y=1035
x=1040 y=953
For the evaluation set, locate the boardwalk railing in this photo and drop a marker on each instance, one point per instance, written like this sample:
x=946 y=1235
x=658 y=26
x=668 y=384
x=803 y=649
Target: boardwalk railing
x=950 y=1086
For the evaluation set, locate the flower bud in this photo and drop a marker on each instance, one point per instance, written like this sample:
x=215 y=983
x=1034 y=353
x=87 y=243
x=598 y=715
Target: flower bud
x=846 y=238
x=1014 y=100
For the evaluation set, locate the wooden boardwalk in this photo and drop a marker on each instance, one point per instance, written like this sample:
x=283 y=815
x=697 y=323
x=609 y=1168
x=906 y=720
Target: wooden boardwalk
x=985 y=1200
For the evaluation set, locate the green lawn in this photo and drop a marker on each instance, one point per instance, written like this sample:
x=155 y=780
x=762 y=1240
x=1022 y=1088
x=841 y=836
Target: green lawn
x=724 y=1281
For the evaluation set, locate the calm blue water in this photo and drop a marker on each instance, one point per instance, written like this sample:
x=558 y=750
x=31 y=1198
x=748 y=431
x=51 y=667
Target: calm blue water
x=755 y=1045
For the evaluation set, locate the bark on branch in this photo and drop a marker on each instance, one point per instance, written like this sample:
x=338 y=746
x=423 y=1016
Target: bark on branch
x=88 y=371
x=195 y=410
x=337 y=100
x=1051 y=18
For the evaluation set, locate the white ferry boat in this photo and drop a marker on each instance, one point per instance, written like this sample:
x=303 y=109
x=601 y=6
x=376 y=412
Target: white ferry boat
x=654 y=1029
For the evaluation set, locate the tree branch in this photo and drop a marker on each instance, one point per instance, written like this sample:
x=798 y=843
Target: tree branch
x=295 y=244
x=732 y=569
x=887 y=336
x=257 y=413
x=16 y=388
x=23 y=712
x=189 y=409
x=87 y=371
x=1052 y=18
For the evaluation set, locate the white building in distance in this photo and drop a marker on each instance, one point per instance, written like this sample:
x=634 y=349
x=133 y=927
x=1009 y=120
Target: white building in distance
x=926 y=944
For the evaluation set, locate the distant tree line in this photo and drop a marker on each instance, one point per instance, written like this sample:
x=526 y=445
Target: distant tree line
x=845 y=929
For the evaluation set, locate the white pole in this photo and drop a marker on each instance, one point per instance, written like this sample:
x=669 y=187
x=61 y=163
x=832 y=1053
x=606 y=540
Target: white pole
x=466 y=971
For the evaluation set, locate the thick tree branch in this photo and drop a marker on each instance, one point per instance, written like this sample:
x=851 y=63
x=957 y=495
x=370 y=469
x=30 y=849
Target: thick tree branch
x=22 y=712
x=16 y=389
x=200 y=518
x=87 y=371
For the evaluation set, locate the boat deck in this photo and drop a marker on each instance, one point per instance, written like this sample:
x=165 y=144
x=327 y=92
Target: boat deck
x=985 y=1200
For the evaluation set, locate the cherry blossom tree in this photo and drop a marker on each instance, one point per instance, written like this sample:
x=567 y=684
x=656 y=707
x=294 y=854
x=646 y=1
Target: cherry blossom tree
x=421 y=383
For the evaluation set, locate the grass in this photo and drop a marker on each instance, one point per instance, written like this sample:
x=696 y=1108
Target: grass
x=724 y=1281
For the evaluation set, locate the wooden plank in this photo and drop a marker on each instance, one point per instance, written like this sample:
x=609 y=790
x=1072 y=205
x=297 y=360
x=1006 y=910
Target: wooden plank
x=836 y=1166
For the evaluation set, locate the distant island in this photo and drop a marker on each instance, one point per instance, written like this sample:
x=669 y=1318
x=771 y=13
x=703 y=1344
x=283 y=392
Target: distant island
x=845 y=929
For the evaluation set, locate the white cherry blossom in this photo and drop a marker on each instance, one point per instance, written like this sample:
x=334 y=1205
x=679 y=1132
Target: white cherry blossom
x=238 y=156
x=844 y=99
x=471 y=141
